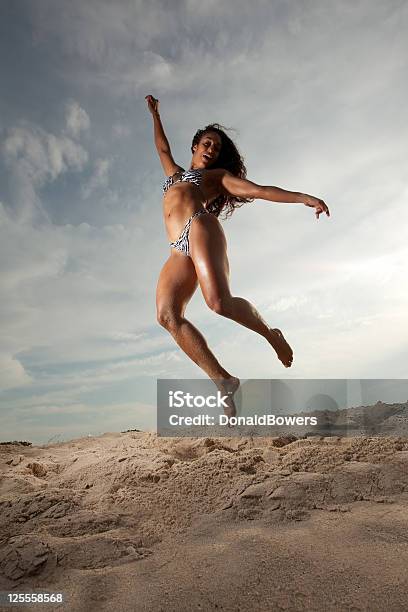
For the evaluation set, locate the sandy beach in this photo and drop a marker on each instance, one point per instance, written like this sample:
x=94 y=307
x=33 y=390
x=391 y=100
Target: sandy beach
x=132 y=521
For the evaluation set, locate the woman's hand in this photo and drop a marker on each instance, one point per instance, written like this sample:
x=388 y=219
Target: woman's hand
x=318 y=204
x=153 y=104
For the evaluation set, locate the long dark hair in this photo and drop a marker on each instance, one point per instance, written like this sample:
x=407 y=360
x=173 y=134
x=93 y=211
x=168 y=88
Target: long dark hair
x=230 y=159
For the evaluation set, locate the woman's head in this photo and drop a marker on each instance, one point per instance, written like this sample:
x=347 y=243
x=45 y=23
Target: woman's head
x=206 y=149
x=213 y=148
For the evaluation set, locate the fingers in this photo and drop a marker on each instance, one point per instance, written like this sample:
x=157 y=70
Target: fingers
x=318 y=204
x=322 y=208
x=152 y=102
x=319 y=211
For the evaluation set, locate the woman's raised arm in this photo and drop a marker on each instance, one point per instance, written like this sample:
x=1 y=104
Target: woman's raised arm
x=232 y=185
x=160 y=139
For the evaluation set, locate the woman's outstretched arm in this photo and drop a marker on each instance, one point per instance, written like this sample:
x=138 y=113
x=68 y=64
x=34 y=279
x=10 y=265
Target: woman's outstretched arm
x=160 y=139
x=242 y=188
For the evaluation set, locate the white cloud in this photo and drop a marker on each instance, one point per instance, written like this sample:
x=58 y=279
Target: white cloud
x=12 y=373
x=76 y=118
x=121 y=130
x=99 y=177
x=35 y=157
x=42 y=156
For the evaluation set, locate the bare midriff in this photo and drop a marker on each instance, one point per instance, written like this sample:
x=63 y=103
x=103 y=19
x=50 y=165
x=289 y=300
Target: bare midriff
x=183 y=199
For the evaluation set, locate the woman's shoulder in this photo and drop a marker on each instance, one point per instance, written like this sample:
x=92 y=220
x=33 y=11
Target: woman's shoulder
x=216 y=173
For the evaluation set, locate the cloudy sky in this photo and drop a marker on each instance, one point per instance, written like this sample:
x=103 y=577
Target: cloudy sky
x=316 y=92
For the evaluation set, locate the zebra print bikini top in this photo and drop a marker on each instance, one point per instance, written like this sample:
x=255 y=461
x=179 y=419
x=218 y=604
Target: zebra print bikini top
x=188 y=176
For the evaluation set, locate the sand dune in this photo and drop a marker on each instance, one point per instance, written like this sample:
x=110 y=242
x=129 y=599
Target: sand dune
x=137 y=522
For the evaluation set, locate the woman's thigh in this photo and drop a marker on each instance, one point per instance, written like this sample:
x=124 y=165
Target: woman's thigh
x=176 y=285
x=208 y=250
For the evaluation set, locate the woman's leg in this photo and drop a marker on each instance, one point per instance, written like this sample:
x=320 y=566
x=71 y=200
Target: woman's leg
x=176 y=286
x=208 y=249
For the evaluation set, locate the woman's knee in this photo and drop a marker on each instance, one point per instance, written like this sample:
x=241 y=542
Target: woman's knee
x=168 y=317
x=221 y=305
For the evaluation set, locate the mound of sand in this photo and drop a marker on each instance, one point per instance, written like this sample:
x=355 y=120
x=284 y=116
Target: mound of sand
x=210 y=523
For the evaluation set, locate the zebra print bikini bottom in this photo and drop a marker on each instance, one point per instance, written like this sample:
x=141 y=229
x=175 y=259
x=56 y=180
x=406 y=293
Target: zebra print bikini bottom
x=182 y=243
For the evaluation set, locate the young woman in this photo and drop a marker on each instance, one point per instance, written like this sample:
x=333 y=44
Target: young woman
x=192 y=202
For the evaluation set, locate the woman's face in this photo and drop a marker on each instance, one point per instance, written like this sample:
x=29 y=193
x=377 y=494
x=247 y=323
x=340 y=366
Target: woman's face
x=207 y=150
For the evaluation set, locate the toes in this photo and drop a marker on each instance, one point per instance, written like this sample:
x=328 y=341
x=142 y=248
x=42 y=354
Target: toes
x=285 y=353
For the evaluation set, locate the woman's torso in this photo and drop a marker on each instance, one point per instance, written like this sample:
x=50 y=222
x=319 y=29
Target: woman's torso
x=196 y=189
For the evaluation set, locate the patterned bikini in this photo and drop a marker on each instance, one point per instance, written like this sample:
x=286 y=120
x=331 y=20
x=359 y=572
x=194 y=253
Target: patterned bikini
x=188 y=176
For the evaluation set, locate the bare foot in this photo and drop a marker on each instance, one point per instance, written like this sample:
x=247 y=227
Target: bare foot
x=282 y=348
x=228 y=386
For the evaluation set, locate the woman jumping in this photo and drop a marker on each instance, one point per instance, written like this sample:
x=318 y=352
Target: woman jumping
x=192 y=202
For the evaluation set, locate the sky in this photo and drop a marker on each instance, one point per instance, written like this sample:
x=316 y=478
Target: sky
x=316 y=94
